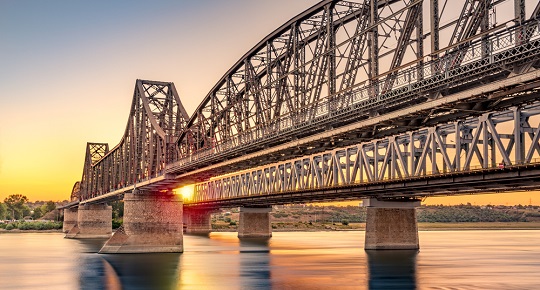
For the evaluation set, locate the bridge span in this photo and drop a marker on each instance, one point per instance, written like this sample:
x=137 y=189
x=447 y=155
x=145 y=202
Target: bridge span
x=374 y=100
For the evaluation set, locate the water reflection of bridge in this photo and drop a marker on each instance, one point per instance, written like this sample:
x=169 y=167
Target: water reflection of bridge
x=347 y=100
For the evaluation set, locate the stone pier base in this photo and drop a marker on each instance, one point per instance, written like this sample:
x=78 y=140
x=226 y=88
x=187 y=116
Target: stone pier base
x=198 y=221
x=255 y=223
x=70 y=219
x=391 y=225
x=93 y=221
x=152 y=224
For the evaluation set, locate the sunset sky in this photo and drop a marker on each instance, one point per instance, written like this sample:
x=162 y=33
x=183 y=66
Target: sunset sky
x=68 y=69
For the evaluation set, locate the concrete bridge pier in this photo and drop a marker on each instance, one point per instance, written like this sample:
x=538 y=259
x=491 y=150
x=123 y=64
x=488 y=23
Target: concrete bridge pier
x=198 y=221
x=255 y=222
x=93 y=221
x=70 y=219
x=152 y=224
x=391 y=224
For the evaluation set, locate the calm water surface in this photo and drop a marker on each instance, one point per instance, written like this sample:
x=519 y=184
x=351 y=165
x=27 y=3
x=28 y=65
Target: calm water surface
x=314 y=260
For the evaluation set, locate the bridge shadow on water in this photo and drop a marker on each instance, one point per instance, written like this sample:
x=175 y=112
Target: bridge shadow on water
x=94 y=271
x=125 y=271
x=145 y=271
x=255 y=263
x=392 y=269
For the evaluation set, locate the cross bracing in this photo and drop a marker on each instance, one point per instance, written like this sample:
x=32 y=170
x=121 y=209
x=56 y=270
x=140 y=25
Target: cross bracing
x=496 y=140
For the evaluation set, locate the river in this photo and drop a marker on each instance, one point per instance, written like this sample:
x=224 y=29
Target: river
x=504 y=259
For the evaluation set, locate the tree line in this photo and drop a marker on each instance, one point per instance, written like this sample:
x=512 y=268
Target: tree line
x=16 y=207
x=439 y=213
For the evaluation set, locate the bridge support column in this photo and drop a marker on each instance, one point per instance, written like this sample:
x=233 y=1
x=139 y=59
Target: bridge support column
x=94 y=221
x=391 y=224
x=198 y=221
x=70 y=219
x=152 y=224
x=255 y=223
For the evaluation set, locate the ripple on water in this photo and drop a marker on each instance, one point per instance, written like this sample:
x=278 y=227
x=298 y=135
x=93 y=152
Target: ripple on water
x=294 y=260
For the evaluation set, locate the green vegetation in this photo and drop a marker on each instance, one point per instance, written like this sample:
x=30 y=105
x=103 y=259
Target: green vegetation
x=40 y=211
x=314 y=217
x=16 y=208
x=3 y=211
x=117 y=213
x=34 y=225
x=430 y=214
x=468 y=213
x=116 y=223
x=117 y=209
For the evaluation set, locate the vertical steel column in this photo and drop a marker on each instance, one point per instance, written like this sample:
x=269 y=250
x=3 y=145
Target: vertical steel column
x=412 y=165
x=375 y=161
x=485 y=144
x=420 y=42
x=518 y=136
x=296 y=65
x=268 y=86
x=519 y=11
x=434 y=9
x=331 y=52
x=519 y=14
x=433 y=131
x=457 y=161
x=484 y=26
x=373 y=41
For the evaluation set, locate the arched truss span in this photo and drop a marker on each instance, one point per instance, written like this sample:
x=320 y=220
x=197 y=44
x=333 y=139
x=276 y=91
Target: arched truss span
x=75 y=191
x=340 y=62
x=156 y=119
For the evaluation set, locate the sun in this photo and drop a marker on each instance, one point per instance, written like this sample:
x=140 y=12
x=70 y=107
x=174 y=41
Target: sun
x=186 y=191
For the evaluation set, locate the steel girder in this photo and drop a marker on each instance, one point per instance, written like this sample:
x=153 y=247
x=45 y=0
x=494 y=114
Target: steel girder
x=495 y=140
x=340 y=62
x=156 y=119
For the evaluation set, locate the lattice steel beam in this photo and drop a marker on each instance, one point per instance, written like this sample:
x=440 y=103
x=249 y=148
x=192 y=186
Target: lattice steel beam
x=484 y=142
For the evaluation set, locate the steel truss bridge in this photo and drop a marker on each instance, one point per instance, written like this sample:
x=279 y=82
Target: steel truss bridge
x=385 y=98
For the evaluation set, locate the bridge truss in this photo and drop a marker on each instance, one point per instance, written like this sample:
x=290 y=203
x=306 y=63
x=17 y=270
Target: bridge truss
x=155 y=121
x=343 y=75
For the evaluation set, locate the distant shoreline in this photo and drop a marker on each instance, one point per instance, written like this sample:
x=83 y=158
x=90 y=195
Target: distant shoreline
x=29 y=231
x=361 y=227
x=479 y=226
x=421 y=227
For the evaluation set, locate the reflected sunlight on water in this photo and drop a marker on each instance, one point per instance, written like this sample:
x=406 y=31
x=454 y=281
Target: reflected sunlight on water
x=296 y=260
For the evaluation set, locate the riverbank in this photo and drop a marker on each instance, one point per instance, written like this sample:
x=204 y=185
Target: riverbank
x=29 y=231
x=479 y=226
x=316 y=227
